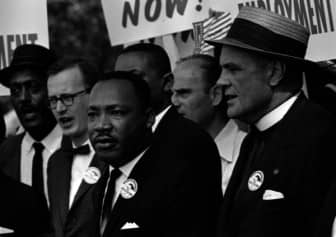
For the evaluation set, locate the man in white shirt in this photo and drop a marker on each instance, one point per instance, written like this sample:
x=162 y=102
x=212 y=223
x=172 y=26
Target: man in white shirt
x=197 y=97
x=285 y=166
x=69 y=83
x=25 y=157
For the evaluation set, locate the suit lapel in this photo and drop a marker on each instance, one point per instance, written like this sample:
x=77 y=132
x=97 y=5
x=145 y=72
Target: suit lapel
x=84 y=186
x=63 y=183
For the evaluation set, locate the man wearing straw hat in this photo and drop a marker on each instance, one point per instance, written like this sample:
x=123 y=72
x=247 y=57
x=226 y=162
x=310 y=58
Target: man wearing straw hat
x=284 y=168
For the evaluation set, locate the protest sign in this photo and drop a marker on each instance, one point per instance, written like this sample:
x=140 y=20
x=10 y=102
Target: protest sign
x=132 y=20
x=318 y=16
x=21 y=22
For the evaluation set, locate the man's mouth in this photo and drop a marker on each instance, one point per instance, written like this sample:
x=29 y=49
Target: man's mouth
x=230 y=97
x=65 y=121
x=105 y=143
x=29 y=113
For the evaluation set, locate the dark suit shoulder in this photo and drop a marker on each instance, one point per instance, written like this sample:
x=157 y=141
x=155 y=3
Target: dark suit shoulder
x=10 y=151
x=10 y=144
x=22 y=209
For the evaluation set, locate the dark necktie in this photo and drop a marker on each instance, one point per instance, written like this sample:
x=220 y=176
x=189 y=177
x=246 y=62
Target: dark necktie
x=107 y=204
x=37 y=172
x=81 y=150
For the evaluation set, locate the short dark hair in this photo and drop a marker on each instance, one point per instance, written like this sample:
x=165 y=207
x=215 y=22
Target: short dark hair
x=158 y=55
x=210 y=66
x=89 y=70
x=140 y=86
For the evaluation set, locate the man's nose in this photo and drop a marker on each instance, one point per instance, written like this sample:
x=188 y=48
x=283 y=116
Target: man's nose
x=60 y=107
x=174 y=99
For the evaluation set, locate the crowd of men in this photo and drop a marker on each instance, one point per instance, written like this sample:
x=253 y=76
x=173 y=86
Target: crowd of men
x=220 y=146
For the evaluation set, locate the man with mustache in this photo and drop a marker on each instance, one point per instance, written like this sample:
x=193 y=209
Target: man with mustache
x=25 y=157
x=69 y=83
x=150 y=189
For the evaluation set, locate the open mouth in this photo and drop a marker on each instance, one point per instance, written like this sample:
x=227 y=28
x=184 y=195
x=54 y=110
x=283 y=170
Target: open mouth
x=65 y=121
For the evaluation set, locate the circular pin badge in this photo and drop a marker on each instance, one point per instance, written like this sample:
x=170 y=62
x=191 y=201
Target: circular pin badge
x=256 y=180
x=129 y=188
x=92 y=175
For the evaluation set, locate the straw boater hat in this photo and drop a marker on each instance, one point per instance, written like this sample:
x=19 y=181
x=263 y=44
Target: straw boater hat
x=268 y=33
x=28 y=55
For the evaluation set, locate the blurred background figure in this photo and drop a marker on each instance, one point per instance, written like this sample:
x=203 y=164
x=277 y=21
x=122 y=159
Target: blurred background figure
x=197 y=97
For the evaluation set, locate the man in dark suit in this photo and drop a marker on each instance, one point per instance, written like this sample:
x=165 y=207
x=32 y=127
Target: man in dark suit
x=69 y=83
x=25 y=157
x=156 y=187
x=284 y=169
x=23 y=212
x=152 y=63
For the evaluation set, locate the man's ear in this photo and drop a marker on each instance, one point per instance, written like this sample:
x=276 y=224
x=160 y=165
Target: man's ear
x=277 y=71
x=150 y=117
x=168 y=80
x=216 y=94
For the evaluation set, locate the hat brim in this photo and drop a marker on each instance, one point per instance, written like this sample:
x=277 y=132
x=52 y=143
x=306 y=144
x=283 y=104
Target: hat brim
x=6 y=72
x=303 y=64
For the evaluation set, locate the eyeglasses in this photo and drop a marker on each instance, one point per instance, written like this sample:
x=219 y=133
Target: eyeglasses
x=66 y=99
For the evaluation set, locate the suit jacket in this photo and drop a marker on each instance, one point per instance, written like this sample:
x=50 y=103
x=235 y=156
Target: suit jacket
x=78 y=220
x=10 y=158
x=179 y=185
x=21 y=209
x=297 y=165
x=328 y=214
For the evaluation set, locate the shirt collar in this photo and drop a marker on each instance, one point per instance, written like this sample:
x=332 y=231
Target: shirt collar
x=225 y=140
x=51 y=142
x=276 y=114
x=86 y=142
x=127 y=168
x=159 y=117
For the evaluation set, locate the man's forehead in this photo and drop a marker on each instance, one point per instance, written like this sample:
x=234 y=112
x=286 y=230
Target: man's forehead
x=24 y=77
x=112 y=91
x=230 y=54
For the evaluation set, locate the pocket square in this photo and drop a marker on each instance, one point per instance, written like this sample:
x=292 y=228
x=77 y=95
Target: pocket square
x=129 y=225
x=272 y=195
x=4 y=230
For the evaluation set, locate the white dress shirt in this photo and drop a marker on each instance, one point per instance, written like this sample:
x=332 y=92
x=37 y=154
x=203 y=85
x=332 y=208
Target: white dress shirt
x=51 y=143
x=79 y=166
x=228 y=142
x=276 y=114
x=125 y=172
x=159 y=117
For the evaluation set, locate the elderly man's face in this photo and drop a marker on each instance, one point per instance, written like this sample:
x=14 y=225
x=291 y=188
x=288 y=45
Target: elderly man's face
x=245 y=77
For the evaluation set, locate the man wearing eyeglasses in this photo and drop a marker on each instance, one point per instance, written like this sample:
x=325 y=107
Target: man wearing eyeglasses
x=73 y=170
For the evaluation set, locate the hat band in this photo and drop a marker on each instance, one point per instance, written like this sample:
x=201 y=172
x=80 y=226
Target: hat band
x=260 y=37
